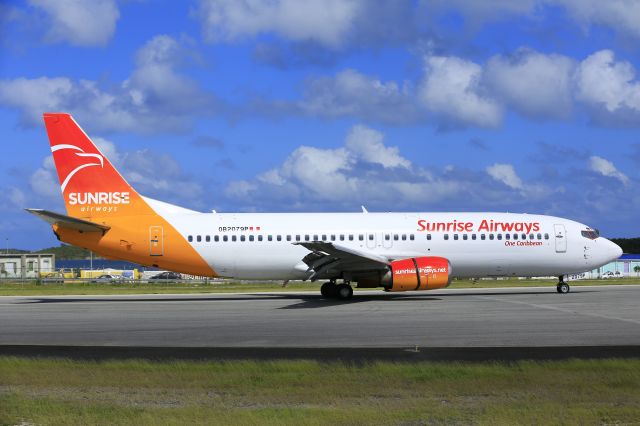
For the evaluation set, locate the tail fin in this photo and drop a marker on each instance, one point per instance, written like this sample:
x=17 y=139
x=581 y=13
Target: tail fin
x=91 y=186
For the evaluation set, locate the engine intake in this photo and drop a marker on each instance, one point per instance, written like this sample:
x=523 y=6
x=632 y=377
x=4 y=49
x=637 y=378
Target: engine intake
x=419 y=273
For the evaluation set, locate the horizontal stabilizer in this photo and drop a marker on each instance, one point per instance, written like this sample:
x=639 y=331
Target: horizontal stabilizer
x=68 y=221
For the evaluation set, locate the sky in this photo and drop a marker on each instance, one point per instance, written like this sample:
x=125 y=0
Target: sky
x=325 y=105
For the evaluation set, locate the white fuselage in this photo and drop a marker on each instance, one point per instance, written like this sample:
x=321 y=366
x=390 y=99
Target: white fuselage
x=261 y=245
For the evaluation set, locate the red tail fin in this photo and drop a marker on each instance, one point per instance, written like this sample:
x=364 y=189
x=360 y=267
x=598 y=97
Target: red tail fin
x=90 y=185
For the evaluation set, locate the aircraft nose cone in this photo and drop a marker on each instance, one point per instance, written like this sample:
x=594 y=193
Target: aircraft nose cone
x=613 y=250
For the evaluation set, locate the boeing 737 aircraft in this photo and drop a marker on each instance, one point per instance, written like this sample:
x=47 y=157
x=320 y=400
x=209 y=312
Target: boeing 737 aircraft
x=395 y=251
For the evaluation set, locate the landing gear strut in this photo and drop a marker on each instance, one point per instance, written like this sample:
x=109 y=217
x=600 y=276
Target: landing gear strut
x=562 y=286
x=341 y=291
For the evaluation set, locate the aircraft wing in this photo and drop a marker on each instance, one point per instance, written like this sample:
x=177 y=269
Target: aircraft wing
x=328 y=259
x=68 y=221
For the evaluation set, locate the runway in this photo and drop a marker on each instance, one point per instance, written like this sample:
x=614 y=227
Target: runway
x=510 y=318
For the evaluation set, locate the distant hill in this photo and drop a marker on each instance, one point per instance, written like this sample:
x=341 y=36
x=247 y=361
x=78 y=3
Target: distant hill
x=628 y=245
x=65 y=252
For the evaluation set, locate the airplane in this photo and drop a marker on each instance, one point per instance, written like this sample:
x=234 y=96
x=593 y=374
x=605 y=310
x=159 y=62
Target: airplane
x=393 y=251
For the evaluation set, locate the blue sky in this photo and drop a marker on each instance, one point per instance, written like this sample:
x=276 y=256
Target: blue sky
x=325 y=105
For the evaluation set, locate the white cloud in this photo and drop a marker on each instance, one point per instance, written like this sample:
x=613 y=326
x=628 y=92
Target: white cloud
x=323 y=21
x=17 y=198
x=451 y=90
x=365 y=171
x=620 y=15
x=353 y=94
x=605 y=167
x=608 y=87
x=367 y=144
x=535 y=84
x=80 y=22
x=506 y=174
x=155 y=98
x=44 y=180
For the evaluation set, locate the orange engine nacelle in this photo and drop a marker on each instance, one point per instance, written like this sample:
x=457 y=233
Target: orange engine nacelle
x=419 y=273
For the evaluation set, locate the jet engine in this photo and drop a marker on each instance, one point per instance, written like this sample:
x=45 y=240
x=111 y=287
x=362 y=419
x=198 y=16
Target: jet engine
x=414 y=273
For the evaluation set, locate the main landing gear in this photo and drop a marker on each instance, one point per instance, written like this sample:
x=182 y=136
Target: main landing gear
x=562 y=286
x=340 y=291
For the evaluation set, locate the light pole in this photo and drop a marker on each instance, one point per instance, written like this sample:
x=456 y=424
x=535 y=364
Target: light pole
x=7 y=241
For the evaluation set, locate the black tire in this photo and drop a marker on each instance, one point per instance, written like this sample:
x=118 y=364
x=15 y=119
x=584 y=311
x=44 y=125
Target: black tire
x=563 y=288
x=328 y=290
x=344 y=292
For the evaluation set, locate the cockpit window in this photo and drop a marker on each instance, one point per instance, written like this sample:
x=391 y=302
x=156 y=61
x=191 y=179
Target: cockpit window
x=591 y=234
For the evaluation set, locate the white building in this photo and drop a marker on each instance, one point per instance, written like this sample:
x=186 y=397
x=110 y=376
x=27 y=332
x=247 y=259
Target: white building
x=26 y=265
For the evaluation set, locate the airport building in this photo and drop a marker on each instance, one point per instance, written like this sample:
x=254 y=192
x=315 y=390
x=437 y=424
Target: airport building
x=628 y=265
x=28 y=265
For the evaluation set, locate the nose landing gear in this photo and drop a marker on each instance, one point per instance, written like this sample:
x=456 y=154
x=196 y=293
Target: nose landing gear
x=562 y=286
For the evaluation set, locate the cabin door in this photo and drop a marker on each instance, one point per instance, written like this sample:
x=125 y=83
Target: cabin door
x=561 y=238
x=156 y=241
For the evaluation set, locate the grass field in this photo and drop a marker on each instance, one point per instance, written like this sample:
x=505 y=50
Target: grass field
x=30 y=288
x=305 y=392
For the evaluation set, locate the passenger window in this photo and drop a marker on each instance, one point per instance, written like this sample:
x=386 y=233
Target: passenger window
x=404 y=237
x=507 y=236
x=531 y=236
x=333 y=237
x=446 y=236
x=341 y=237
x=269 y=237
x=233 y=238
x=298 y=237
x=524 y=236
x=324 y=237
x=207 y=238
x=428 y=236
x=315 y=238
x=361 y=237
x=455 y=236
x=395 y=237
x=259 y=237
x=288 y=237
x=251 y=238
x=483 y=237
x=216 y=238
x=473 y=236
x=278 y=238
x=546 y=236
x=350 y=237
x=242 y=237
x=225 y=238
x=306 y=237
x=387 y=237
x=370 y=237
x=412 y=237
x=491 y=236
x=499 y=236
x=198 y=238
x=465 y=237
x=515 y=236
x=190 y=238
x=539 y=236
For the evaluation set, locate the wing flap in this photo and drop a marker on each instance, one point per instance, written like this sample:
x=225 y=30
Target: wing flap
x=68 y=222
x=328 y=259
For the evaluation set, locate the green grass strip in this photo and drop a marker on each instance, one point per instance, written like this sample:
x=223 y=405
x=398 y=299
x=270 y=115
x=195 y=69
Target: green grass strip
x=55 y=391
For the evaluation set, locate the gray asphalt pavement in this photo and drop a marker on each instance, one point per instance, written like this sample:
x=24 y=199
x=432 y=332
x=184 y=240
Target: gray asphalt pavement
x=529 y=317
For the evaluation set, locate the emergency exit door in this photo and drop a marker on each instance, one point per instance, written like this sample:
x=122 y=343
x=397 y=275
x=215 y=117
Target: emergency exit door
x=561 y=238
x=156 y=241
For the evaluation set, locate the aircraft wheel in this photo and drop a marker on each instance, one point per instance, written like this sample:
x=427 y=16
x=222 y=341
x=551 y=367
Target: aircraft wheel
x=563 y=288
x=345 y=292
x=328 y=290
